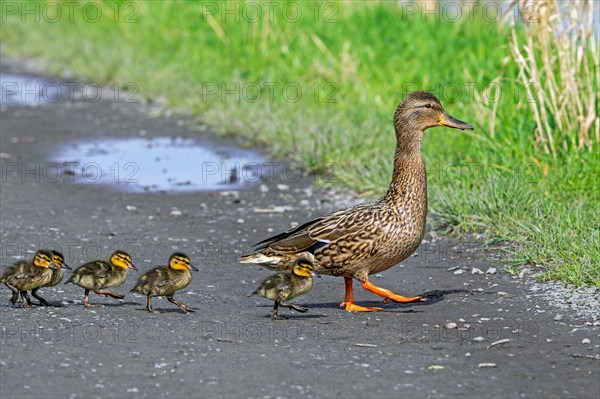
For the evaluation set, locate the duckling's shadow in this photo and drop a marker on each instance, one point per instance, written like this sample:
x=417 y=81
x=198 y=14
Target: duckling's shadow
x=295 y=316
x=114 y=304
x=159 y=311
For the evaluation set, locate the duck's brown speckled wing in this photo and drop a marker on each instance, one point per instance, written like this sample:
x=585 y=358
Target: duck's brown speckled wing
x=97 y=269
x=155 y=281
x=92 y=275
x=20 y=269
x=20 y=276
x=276 y=287
x=321 y=231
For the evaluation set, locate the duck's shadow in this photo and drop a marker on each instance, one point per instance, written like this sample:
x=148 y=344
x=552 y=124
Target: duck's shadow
x=432 y=297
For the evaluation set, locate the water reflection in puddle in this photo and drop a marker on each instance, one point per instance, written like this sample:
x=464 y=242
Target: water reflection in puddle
x=17 y=90
x=160 y=164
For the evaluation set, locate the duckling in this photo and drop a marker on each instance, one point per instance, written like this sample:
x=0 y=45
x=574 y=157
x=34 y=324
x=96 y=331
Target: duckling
x=28 y=275
x=166 y=280
x=289 y=284
x=57 y=276
x=100 y=274
x=369 y=238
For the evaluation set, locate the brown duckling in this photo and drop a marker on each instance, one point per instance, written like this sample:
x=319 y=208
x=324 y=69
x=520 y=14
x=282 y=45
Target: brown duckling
x=166 y=280
x=57 y=276
x=28 y=275
x=369 y=238
x=284 y=286
x=101 y=274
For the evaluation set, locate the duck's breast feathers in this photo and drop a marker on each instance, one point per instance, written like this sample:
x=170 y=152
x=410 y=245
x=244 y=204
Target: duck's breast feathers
x=57 y=276
x=301 y=285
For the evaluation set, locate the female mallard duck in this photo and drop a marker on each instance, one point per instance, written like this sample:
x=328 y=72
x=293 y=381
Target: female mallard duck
x=100 y=274
x=166 y=280
x=57 y=276
x=372 y=237
x=28 y=275
x=289 y=284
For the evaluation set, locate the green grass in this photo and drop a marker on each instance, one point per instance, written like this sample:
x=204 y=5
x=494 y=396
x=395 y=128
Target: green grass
x=353 y=70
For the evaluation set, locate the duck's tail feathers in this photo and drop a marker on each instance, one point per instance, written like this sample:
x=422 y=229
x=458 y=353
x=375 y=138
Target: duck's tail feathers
x=261 y=259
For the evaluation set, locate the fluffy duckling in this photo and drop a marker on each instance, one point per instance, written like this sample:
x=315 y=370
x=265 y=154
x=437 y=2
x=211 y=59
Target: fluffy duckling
x=166 y=280
x=99 y=274
x=28 y=275
x=289 y=284
x=57 y=276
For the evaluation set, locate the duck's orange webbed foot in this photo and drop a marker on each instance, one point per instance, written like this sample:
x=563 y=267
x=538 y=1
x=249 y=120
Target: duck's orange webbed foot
x=389 y=295
x=348 y=302
x=351 y=307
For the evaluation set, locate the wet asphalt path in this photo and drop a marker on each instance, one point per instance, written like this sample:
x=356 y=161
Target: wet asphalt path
x=447 y=347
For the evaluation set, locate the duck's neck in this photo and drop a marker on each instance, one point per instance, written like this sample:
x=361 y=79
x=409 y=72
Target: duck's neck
x=409 y=179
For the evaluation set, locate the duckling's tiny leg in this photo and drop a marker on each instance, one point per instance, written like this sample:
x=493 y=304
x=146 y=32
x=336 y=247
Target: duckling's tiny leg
x=274 y=315
x=149 y=304
x=297 y=308
x=25 y=299
x=349 y=300
x=39 y=298
x=387 y=294
x=114 y=294
x=180 y=305
x=86 y=299
x=15 y=293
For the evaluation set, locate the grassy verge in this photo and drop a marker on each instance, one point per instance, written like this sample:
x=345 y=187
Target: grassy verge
x=318 y=83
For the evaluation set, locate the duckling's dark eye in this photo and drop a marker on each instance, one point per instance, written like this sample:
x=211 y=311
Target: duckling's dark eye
x=428 y=106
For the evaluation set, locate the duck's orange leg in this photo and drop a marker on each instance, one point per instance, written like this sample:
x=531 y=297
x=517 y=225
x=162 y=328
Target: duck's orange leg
x=387 y=294
x=349 y=300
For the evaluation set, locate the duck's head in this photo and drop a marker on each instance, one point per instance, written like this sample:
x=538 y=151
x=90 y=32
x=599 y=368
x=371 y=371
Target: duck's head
x=304 y=266
x=421 y=110
x=122 y=259
x=43 y=258
x=180 y=261
x=59 y=260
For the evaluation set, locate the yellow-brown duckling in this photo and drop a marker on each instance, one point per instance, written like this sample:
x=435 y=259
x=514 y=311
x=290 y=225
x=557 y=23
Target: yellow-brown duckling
x=28 y=275
x=100 y=274
x=166 y=280
x=372 y=237
x=57 y=276
x=284 y=286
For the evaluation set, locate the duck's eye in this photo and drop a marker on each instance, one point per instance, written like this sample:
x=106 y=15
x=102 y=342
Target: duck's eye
x=428 y=106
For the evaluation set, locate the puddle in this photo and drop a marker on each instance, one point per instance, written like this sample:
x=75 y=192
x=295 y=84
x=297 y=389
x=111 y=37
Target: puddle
x=160 y=164
x=18 y=90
